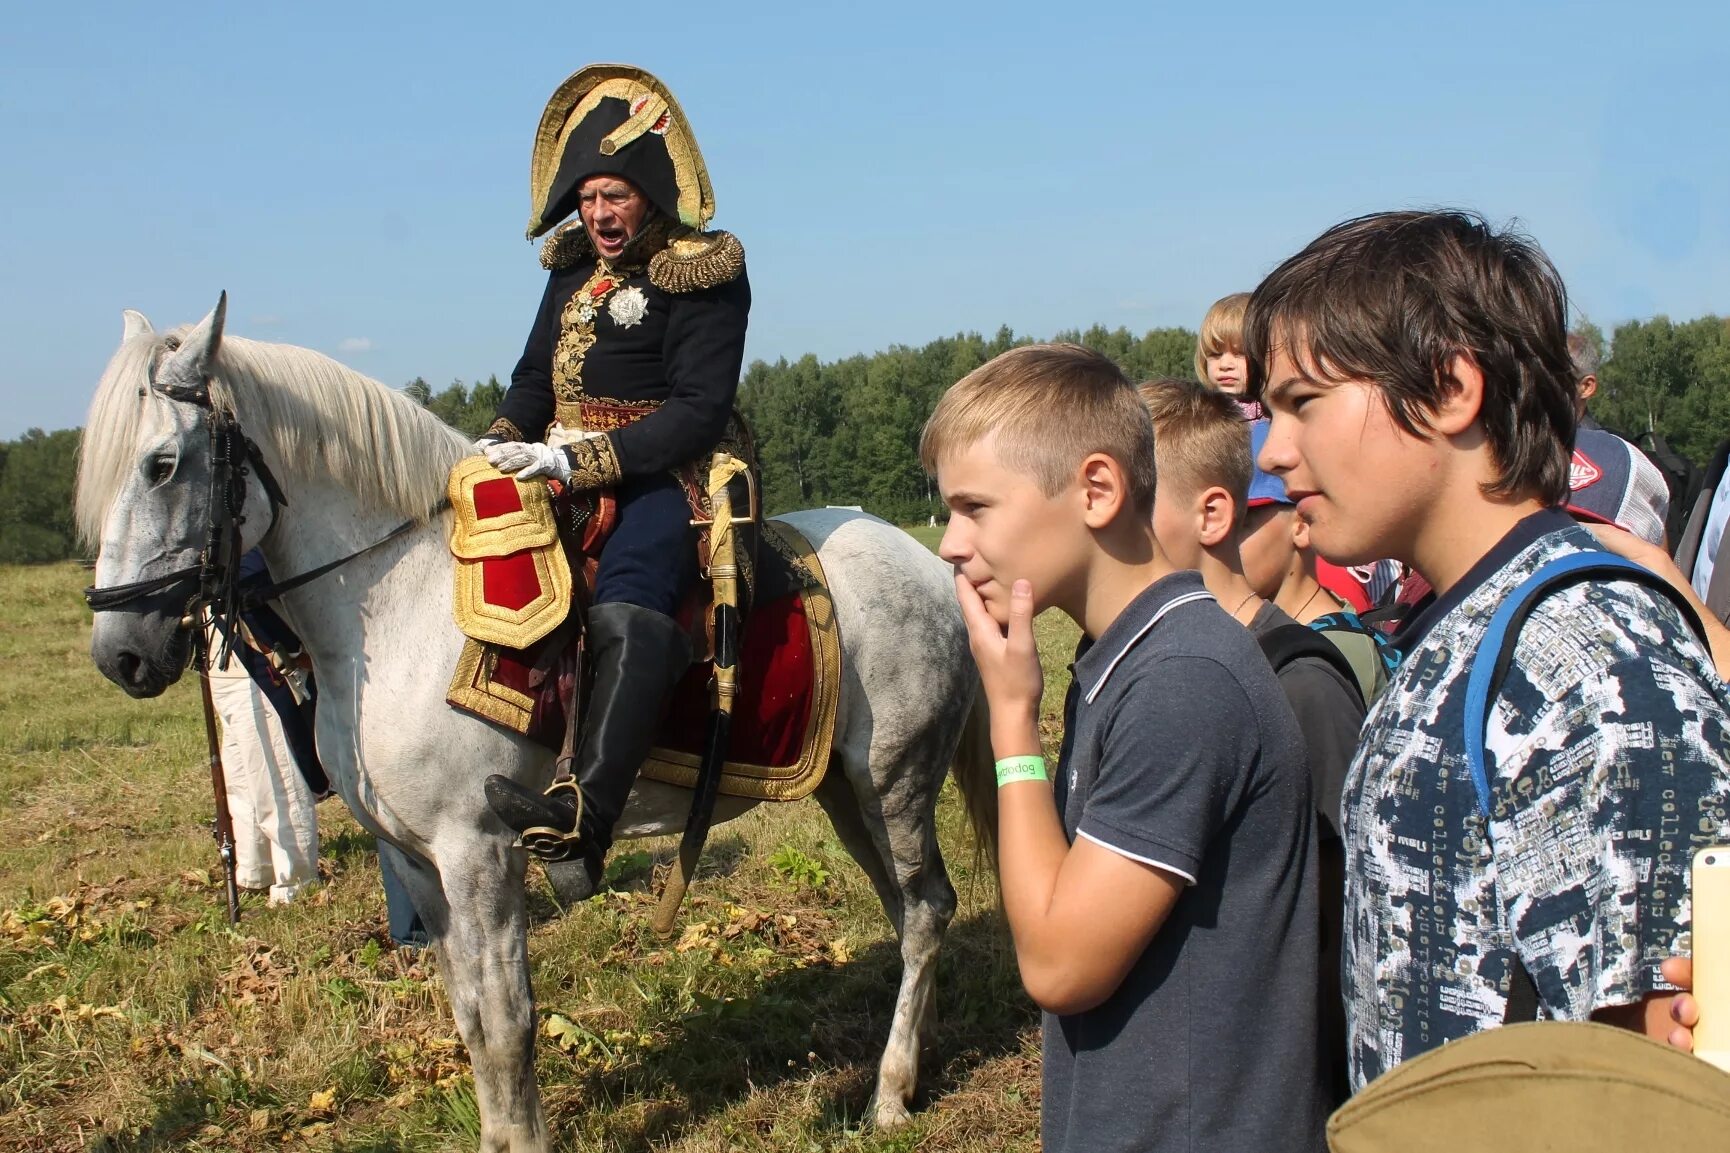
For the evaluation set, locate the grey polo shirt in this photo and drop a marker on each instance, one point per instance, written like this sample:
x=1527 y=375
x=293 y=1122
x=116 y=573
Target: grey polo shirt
x=1181 y=752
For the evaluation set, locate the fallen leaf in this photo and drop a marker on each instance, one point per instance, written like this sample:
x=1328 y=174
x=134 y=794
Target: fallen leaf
x=696 y=936
x=323 y=1101
x=564 y=1032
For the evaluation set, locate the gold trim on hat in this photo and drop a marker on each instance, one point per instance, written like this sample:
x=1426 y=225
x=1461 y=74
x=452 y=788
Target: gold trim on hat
x=577 y=97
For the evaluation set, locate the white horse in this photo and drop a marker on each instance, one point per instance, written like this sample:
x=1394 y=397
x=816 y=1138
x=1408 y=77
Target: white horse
x=354 y=459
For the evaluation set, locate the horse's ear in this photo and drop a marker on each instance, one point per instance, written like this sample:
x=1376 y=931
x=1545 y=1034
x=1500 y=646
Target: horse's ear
x=203 y=341
x=135 y=324
x=188 y=369
x=197 y=350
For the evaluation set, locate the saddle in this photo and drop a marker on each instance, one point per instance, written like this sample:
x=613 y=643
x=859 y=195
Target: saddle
x=525 y=561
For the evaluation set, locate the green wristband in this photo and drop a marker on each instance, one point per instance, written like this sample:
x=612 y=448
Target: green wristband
x=1013 y=769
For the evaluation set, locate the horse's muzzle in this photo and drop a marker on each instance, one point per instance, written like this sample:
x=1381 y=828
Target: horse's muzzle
x=126 y=656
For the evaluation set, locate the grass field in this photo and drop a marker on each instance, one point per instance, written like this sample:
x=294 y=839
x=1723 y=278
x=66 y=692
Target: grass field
x=132 y=1017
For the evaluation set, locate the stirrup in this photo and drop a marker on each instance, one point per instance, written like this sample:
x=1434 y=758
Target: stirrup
x=550 y=844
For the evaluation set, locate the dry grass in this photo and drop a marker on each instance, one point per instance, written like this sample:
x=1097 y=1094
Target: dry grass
x=133 y=1018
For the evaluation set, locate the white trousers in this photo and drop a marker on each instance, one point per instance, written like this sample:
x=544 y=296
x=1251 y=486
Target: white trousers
x=275 y=823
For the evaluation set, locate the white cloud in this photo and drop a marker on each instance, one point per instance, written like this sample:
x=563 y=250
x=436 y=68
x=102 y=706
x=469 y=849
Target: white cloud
x=355 y=344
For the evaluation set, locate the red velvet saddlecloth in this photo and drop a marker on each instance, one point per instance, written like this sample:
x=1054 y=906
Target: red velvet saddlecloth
x=770 y=712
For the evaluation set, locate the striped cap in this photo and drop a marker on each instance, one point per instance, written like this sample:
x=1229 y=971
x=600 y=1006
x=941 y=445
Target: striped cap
x=1612 y=482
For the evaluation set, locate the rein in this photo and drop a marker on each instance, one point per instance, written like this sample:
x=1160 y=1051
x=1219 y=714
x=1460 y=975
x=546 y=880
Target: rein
x=214 y=582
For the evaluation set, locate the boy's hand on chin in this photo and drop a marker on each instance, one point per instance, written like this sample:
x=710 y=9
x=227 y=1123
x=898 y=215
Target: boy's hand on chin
x=1008 y=659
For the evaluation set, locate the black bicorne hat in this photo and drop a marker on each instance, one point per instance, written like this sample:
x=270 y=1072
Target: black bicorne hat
x=617 y=120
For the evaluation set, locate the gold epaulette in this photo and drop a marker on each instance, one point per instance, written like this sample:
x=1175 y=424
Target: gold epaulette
x=569 y=244
x=694 y=261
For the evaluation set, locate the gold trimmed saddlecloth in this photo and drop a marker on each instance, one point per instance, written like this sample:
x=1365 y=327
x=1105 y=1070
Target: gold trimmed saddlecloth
x=783 y=718
x=512 y=579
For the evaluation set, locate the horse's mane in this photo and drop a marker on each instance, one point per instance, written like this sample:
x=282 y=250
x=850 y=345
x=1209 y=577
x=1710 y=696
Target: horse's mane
x=310 y=415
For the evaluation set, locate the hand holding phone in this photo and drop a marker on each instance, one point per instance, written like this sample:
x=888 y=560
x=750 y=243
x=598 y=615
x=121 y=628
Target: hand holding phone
x=1711 y=902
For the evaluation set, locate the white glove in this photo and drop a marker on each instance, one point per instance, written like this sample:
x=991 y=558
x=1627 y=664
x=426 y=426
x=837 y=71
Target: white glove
x=529 y=460
x=485 y=443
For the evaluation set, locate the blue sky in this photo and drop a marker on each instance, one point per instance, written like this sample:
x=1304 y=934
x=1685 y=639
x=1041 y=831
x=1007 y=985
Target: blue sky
x=355 y=175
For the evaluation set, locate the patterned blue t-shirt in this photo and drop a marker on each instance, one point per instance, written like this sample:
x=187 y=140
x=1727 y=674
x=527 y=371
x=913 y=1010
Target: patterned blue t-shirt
x=1608 y=753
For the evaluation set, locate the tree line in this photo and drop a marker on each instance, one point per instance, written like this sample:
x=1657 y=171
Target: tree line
x=847 y=431
x=1669 y=377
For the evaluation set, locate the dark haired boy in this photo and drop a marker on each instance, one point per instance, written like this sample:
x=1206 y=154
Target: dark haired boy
x=1160 y=890
x=1417 y=370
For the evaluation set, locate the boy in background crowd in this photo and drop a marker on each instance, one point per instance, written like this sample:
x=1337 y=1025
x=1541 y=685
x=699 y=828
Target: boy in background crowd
x=1202 y=449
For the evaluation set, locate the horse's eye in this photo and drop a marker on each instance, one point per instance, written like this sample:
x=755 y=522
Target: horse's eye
x=160 y=469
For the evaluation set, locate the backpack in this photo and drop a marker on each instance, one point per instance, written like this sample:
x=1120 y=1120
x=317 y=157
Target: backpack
x=1681 y=476
x=1489 y=666
x=1373 y=657
x=1293 y=642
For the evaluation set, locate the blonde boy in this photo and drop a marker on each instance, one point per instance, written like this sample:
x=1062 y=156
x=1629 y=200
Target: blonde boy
x=1198 y=518
x=1160 y=890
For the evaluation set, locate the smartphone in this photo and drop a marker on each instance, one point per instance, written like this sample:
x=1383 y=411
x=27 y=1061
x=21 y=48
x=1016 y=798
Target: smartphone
x=1711 y=885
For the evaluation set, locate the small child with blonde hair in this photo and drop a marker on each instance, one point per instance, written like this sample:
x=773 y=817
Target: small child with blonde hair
x=1219 y=359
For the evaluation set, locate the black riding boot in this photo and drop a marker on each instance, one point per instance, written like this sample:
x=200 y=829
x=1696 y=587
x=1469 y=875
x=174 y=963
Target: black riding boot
x=638 y=656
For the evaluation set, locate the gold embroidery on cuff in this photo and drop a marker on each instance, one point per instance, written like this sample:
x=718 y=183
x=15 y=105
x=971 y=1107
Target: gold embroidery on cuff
x=594 y=463
x=504 y=430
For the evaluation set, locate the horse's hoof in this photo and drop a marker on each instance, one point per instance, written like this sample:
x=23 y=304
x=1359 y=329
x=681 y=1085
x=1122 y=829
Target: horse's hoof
x=891 y=1113
x=573 y=882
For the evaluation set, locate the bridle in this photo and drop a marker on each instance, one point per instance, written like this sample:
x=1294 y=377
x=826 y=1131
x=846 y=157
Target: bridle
x=214 y=583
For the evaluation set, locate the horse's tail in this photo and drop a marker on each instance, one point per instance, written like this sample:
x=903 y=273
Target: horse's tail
x=976 y=777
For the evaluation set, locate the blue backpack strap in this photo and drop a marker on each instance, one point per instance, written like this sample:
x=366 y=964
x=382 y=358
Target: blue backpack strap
x=1496 y=650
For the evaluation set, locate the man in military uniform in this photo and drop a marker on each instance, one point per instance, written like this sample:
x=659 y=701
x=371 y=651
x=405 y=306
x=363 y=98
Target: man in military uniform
x=627 y=382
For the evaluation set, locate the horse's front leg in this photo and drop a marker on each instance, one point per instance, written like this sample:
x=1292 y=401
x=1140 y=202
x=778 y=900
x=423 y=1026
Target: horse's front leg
x=891 y=830
x=483 y=954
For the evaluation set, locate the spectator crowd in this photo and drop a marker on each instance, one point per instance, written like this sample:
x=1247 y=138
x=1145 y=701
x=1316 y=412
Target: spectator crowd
x=1376 y=741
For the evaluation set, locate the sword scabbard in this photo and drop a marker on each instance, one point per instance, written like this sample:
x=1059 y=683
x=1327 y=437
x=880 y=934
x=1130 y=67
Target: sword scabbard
x=224 y=824
x=723 y=687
